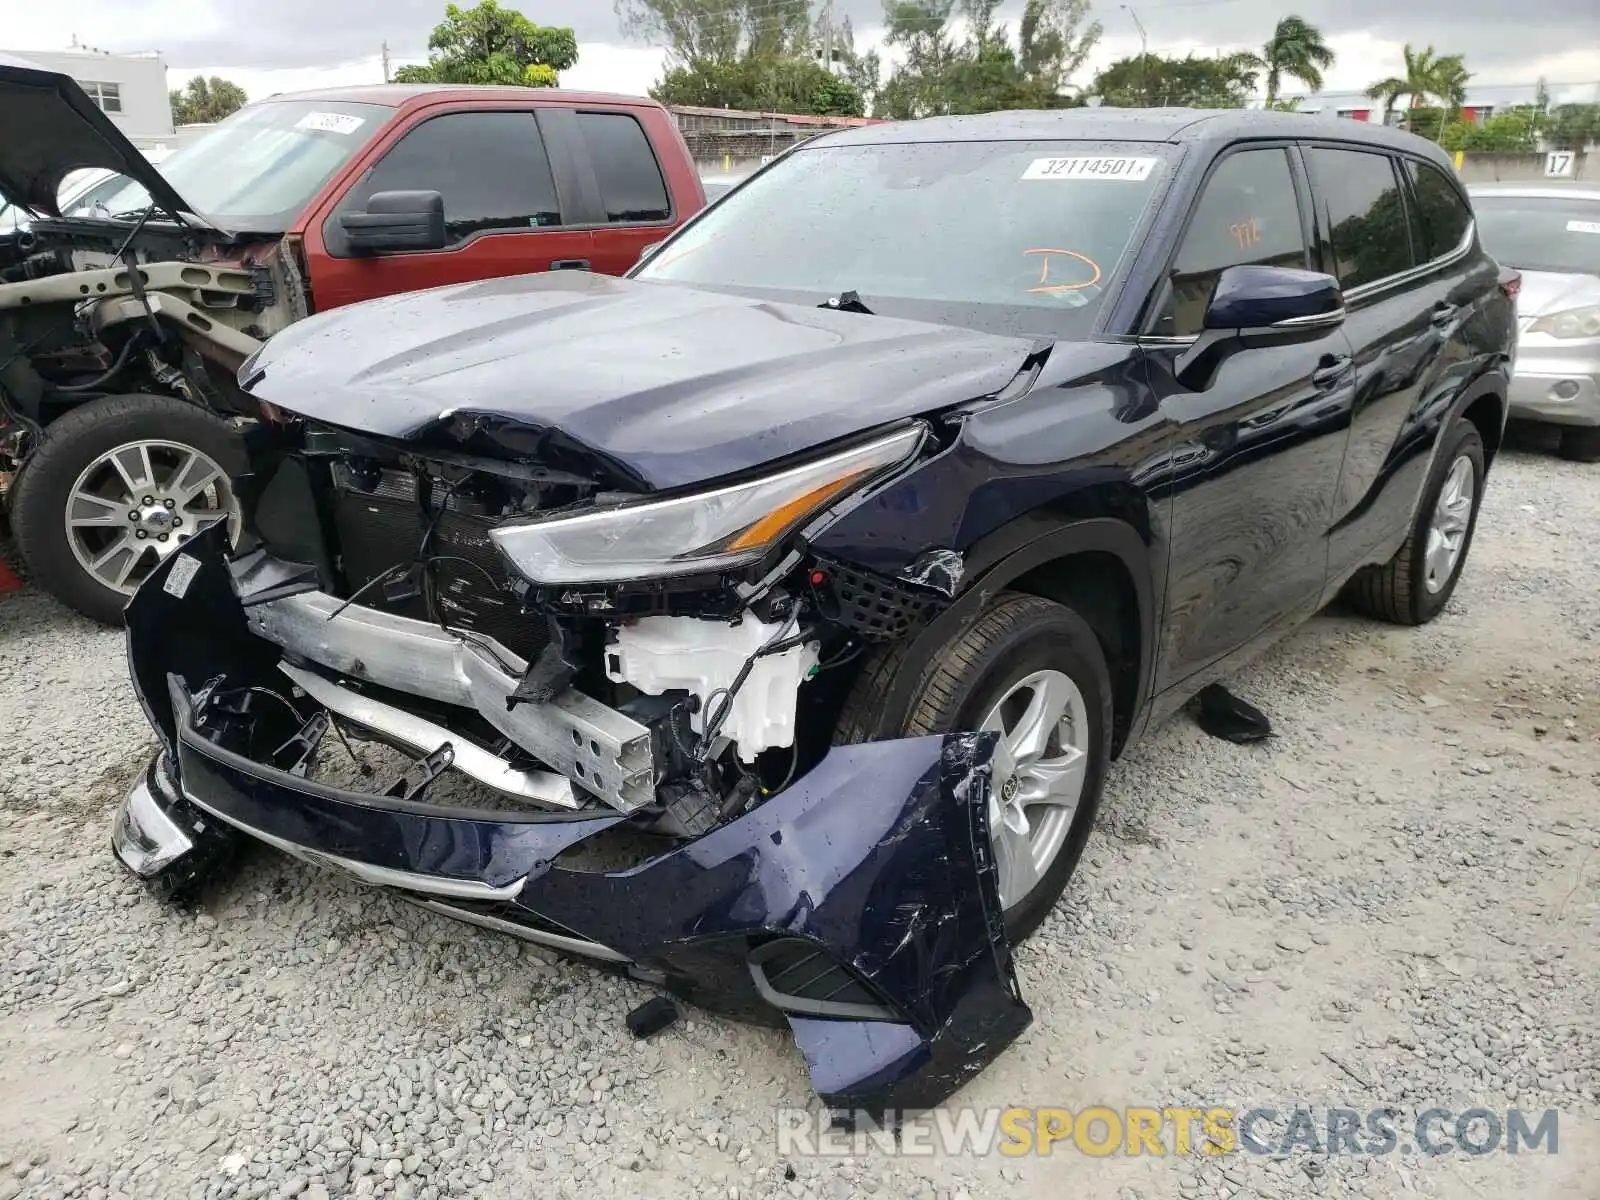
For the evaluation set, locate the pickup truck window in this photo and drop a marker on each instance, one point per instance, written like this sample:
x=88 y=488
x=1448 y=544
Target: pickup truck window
x=630 y=179
x=1247 y=215
x=1366 y=216
x=1012 y=237
x=490 y=167
x=257 y=170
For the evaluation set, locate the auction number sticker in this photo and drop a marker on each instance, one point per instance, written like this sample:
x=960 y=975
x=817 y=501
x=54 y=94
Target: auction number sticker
x=1091 y=167
x=1583 y=226
x=327 y=122
x=181 y=576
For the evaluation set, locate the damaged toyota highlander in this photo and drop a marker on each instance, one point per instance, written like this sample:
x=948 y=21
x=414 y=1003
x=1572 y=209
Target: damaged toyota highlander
x=763 y=623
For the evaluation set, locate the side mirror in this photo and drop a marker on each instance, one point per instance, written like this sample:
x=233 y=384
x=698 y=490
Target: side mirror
x=1275 y=298
x=395 y=221
x=1255 y=307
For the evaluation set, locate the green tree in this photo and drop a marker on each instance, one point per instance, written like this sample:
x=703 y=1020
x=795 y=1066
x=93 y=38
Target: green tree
x=983 y=71
x=1426 y=76
x=490 y=44
x=789 y=84
x=205 y=100
x=719 y=31
x=1295 y=50
x=1516 y=129
x=751 y=54
x=1572 y=126
x=1150 y=81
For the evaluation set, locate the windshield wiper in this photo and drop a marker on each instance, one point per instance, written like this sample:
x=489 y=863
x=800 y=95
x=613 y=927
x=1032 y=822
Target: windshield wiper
x=847 y=302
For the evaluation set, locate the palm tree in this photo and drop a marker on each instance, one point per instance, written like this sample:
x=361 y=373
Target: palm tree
x=1295 y=51
x=1416 y=85
x=1450 y=77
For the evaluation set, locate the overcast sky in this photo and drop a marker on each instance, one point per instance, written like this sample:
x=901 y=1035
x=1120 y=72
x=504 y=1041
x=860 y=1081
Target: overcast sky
x=288 y=44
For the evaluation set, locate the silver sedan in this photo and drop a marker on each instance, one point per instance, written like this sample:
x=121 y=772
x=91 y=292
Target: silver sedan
x=1551 y=234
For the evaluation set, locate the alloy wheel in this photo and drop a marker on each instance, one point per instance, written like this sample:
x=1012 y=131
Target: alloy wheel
x=1452 y=515
x=138 y=503
x=1040 y=766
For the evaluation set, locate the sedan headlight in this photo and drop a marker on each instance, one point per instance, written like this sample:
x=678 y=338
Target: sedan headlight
x=730 y=526
x=1574 y=323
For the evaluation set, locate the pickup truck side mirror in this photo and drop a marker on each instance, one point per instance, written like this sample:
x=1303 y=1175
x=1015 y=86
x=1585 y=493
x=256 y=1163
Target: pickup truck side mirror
x=395 y=221
x=1254 y=307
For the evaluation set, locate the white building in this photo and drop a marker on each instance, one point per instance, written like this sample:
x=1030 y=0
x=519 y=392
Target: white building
x=131 y=89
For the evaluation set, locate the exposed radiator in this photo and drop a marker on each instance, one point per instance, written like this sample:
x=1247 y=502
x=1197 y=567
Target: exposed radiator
x=383 y=526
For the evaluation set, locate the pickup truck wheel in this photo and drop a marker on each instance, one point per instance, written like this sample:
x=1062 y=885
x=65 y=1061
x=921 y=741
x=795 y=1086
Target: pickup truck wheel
x=1581 y=445
x=1414 y=586
x=1033 y=672
x=116 y=486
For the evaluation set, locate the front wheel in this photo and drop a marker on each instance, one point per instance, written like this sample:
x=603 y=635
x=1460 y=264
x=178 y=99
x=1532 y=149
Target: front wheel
x=116 y=486
x=1033 y=672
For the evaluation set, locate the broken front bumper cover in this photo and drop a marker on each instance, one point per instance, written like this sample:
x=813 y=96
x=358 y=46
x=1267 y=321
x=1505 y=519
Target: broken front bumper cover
x=860 y=903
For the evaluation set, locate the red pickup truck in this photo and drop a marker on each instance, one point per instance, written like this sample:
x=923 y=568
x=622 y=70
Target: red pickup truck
x=119 y=411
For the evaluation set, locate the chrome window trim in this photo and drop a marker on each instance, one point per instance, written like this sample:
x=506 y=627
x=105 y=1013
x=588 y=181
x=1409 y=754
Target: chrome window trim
x=1461 y=250
x=1312 y=320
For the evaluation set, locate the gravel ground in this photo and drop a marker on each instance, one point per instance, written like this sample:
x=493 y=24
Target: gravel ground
x=1393 y=902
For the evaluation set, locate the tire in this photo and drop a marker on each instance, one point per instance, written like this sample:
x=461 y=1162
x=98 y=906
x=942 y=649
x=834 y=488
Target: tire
x=1016 y=637
x=82 y=439
x=1581 y=444
x=1401 y=590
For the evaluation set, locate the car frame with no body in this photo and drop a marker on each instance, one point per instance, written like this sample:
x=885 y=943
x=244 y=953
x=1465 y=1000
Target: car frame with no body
x=842 y=590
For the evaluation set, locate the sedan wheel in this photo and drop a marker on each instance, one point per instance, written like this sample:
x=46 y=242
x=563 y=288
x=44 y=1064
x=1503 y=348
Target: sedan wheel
x=1040 y=768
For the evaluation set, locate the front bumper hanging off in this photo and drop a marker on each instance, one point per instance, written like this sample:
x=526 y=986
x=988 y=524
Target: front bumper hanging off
x=859 y=904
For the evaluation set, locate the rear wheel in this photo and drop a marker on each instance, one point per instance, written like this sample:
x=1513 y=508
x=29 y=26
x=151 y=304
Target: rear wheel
x=1414 y=586
x=117 y=486
x=1033 y=672
x=1581 y=444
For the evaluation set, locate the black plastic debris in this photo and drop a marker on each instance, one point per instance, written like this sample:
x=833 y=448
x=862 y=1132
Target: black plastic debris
x=1223 y=715
x=651 y=1017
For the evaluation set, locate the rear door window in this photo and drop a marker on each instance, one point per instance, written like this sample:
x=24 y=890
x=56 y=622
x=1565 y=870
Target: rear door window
x=1367 y=220
x=631 y=185
x=490 y=167
x=1442 y=212
x=1247 y=215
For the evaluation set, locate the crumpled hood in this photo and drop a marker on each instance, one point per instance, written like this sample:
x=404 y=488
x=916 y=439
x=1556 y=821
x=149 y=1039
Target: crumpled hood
x=670 y=385
x=1546 y=292
x=50 y=129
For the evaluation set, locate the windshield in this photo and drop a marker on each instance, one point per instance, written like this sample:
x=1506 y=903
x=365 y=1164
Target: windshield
x=256 y=171
x=1008 y=237
x=1541 y=233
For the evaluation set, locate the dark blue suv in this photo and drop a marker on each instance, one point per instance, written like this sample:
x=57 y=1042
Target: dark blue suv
x=831 y=556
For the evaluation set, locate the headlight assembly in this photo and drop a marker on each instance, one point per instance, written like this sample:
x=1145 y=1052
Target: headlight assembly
x=729 y=526
x=1574 y=323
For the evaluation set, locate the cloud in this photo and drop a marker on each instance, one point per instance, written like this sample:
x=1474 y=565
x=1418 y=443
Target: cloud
x=1502 y=43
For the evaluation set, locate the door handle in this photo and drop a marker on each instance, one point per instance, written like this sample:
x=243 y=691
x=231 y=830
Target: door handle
x=570 y=264
x=1330 y=371
x=1444 y=314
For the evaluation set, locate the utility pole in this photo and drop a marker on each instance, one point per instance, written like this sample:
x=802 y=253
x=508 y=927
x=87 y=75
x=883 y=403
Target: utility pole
x=827 y=36
x=1144 y=57
x=386 y=62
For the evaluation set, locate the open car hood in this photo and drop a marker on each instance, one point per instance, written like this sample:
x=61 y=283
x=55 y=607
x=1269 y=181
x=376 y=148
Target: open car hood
x=52 y=129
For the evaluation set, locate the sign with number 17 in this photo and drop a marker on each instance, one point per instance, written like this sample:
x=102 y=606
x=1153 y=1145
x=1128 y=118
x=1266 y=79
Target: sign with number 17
x=1558 y=164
